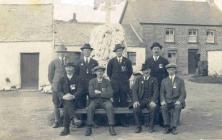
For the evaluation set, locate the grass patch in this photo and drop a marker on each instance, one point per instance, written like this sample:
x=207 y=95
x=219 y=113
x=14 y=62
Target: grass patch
x=206 y=79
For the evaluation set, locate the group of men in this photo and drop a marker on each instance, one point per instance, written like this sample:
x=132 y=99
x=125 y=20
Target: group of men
x=158 y=88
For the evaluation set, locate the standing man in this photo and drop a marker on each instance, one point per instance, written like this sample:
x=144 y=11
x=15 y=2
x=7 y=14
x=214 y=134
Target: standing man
x=119 y=70
x=172 y=95
x=145 y=95
x=158 y=70
x=71 y=88
x=56 y=72
x=84 y=70
x=100 y=93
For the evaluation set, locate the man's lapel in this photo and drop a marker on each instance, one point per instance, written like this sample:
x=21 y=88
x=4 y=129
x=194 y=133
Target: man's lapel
x=141 y=87
x=169 y=84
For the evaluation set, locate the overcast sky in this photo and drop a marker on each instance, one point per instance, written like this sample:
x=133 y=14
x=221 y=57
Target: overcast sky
x=64 y=9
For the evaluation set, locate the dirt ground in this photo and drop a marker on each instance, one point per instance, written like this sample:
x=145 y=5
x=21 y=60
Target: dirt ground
x=24 y=116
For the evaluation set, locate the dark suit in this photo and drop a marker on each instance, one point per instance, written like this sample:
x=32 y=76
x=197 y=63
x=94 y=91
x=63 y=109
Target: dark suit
x=171 y=92
x=73 y=86
x=119 y=74
x=85 y=73
x=145 y=91
x=100 y=101
x=158 y=70
x=56 y=72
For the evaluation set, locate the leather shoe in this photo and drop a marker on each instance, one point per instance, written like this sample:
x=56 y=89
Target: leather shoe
x=138 y=129
x=65 y=132
x=112 y=131
x=167 y=130
x=88 y=131
x=55 y=125
x=174 y=131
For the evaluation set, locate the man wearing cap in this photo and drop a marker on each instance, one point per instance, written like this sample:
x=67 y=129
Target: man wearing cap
x=119 y=70
x=145 y=95
x=71 y=88
x=172 y=96
x=84 y=70
x=100 y=93
x=56 y=72
x=158 y=70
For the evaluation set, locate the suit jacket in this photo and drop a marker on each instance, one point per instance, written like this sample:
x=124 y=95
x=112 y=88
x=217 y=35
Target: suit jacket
x=73 y=86
x=138 y=89
x=56 y=71
x=158 y=68
x=172 y=92
x=107 y=91
x=119 y=72
x=85 y=71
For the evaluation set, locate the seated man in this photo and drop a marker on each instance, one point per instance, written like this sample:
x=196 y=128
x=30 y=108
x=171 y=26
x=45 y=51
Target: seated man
x=145 y=95
x=172 y=96
x=100 y=93
x=71 y=87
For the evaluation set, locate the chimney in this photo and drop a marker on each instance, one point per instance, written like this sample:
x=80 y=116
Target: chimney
x=73 y=18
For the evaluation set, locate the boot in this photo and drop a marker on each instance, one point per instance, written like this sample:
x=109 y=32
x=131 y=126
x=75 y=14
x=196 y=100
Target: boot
x=112 y=131
x=65 y=132
x=88 y=131
x=55 y=125
x=167 y=129
x=174 y=131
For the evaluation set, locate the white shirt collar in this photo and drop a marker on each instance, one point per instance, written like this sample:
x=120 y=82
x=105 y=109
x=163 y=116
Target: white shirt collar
x=157 y=57
x=172 y=77
x=69 y=76
x=86 y=58
x=99 y=80
x=146 y=78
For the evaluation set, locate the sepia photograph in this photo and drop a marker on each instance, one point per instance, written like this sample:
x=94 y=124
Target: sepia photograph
x=111 y=69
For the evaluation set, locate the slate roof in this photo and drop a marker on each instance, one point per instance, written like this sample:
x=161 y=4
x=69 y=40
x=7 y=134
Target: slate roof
x=76 y=34
x=26 y=22
x=175 y=12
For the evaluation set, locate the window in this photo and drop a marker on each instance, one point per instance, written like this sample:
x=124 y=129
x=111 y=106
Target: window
x=132 y=57
x=172 y=56
x=192 y=38
x=169 y=35
x=210 y=36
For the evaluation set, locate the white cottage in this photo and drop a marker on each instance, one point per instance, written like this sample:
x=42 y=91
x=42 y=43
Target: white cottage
x=26 y=43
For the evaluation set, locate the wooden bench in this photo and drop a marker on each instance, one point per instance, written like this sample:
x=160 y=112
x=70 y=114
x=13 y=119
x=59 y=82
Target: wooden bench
x=117 y=110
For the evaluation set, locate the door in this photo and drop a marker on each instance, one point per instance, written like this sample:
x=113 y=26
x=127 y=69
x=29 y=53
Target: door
x=192 y=61
x=29 y=70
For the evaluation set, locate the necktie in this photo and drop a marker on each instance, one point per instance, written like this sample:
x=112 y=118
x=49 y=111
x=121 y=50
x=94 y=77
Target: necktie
x=87 y=61
x=171 y=78
x=62 y=60
x=155 y=58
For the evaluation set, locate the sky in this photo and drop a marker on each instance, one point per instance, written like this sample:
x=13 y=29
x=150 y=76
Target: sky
x=83 y=9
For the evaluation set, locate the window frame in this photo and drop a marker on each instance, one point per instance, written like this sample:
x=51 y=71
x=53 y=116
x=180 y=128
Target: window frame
x=170 y=38
x=213 y=38
x=193 y=37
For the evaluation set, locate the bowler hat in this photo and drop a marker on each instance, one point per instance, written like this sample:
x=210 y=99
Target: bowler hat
x=145 y=67
x=86 y=46
x=98 y=68
x=156 y=44
x=60 y=48
x=70 y=65
x=118 y=46
x=171 y=65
